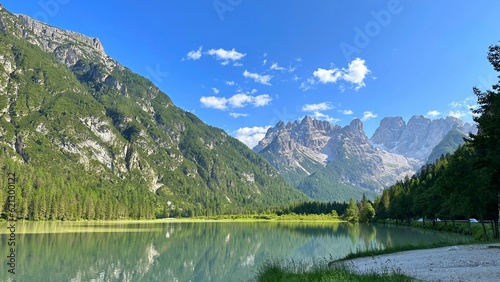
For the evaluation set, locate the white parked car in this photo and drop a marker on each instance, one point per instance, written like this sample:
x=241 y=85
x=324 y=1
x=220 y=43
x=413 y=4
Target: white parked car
x=473 y=220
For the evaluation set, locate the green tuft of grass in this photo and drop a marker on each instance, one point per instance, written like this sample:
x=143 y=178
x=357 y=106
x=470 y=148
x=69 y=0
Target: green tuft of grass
x=299 y=271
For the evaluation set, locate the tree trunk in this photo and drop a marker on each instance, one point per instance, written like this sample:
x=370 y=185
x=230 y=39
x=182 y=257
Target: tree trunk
x=468 y=226
x=485 y=234
x=496 y=219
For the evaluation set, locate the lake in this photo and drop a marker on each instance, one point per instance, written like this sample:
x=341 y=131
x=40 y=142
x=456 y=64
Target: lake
x=183 y=251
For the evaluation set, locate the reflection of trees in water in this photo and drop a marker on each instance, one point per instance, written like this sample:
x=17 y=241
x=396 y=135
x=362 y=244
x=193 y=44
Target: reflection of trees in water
x=187 y=251
x=179 y=251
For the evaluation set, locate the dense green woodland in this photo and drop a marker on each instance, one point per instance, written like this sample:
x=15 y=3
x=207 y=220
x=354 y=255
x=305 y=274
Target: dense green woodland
x=462 y=185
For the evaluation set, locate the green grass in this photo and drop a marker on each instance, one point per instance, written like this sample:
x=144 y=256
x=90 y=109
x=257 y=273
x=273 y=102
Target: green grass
x=290 y=271
x=332 y=271
x=272 y=217
x=476 y=229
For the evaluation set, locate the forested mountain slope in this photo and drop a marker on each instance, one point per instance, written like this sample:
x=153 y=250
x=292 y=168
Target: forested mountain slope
x=88 y=138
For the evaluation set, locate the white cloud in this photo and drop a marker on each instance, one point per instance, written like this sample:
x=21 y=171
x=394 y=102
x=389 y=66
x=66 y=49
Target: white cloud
x=253 y=91
x=219 y=103
x=316 y=111
x=237 y=64
x=355 y=74
x=317 y=107
x=457 y=114
x=347 y=112
x=309 y=84
x=230 y=83
x=327 y=76
x=226 y=55
x=251 y=135
x=239 y=100
x=295 y=78
x=275 y=66
x=322 y=116
x=216 y=91
x=237 y=115
x=264 y=62
x=194 y=55
x=261 y=100
x=264 y=79
x=368 y=115
x=459 y=109
x=433 y=113
x=467 y=103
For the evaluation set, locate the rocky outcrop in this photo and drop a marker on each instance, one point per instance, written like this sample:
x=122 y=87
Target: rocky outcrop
x=2 y=25
x=50 y=38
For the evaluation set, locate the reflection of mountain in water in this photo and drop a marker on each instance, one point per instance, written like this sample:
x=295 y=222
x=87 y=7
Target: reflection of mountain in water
x=189 y=251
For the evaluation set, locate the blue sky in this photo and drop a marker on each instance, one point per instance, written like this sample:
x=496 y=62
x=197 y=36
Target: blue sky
x=243 y=65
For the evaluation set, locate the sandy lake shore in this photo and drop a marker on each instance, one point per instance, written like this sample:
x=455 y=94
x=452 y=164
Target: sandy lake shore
x=479 y=262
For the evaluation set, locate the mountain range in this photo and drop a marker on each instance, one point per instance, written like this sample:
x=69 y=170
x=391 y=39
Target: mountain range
x=90 y=139
x=329 y=162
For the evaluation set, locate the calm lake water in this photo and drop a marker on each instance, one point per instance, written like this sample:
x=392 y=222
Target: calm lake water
x=176 y=251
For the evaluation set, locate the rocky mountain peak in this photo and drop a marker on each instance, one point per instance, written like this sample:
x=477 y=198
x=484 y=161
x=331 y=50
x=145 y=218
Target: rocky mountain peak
x=417 y=138
x=280 y=125
x=67 y=46
x=419 y=121
x=317 y=149
x=356 y=125
x=307 y=120
x=52 y=37
x=388 y=132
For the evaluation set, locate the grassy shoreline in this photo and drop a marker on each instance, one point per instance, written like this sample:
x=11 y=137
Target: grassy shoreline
x=297 y=271
x=335 y=270
x=217 y=218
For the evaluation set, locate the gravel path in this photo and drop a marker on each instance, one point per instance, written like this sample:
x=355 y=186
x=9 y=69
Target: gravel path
x=459 y=263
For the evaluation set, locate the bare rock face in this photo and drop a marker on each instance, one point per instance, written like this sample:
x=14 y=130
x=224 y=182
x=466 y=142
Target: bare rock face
x=2 y=26
x=50 y=38
x=67 y=46
x=418 y=137
x=389 y=132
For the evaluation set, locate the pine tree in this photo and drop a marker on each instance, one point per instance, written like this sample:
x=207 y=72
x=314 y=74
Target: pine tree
x=352 y=211
x=487 y=140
